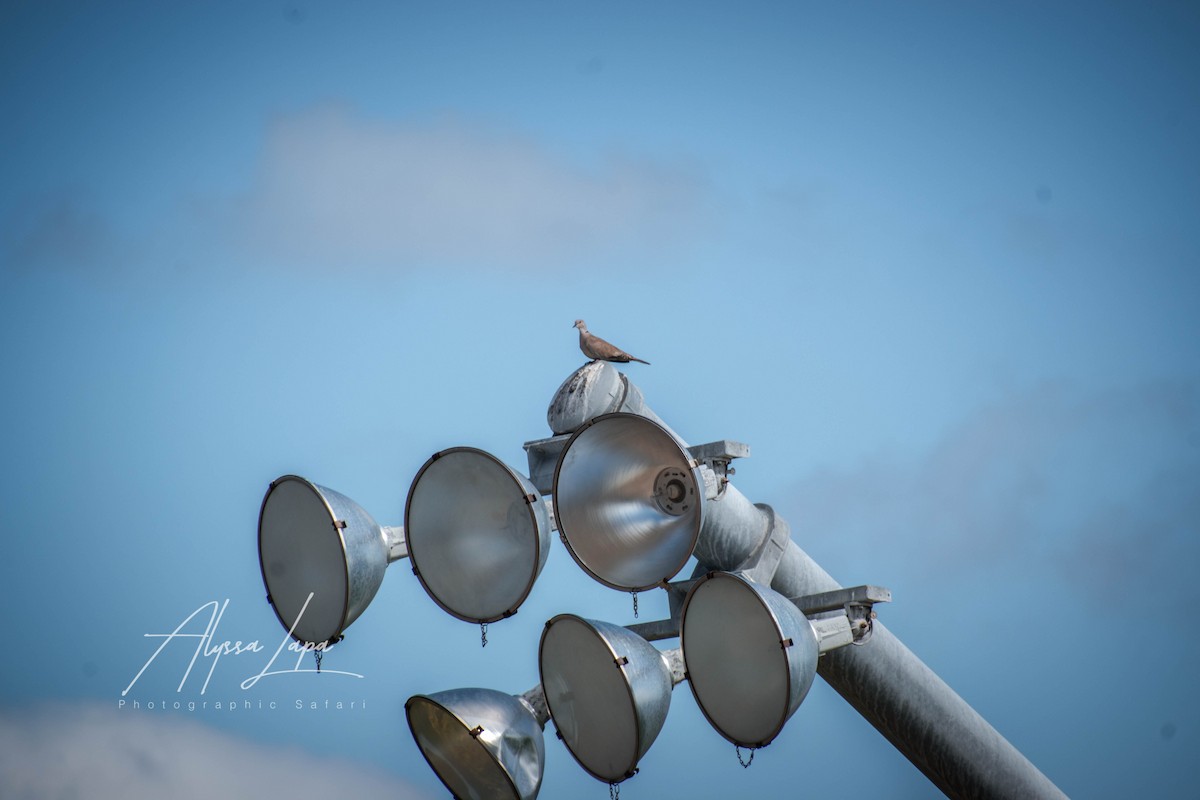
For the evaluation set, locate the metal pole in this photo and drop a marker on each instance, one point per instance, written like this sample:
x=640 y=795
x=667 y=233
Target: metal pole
x=915 y=710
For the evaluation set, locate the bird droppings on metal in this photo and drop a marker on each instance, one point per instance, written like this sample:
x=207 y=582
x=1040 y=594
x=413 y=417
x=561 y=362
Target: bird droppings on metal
x=574 y=393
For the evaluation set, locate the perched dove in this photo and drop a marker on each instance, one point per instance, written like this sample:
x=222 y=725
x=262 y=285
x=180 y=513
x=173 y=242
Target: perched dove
x=597 y=349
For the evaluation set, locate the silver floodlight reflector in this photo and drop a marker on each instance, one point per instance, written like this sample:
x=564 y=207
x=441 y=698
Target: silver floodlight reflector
x=482 y=744
x=478 y=534
x=751 y=656
x=629 y=501
x=322 y=558
x=608 y=691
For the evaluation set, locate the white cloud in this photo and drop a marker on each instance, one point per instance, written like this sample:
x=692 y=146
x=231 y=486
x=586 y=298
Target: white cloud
x=335 y=187
x=100 y=753
x=1101 y=488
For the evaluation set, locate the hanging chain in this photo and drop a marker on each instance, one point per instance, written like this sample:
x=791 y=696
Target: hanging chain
x=634 y=594
x=745 y=762
x=614 y=791
x=483 y=634
x=317 y=654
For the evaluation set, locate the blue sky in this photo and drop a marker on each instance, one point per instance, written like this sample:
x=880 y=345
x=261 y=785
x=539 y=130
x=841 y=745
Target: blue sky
x=936 y=263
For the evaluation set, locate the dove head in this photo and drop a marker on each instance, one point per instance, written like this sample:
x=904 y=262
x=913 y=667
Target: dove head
x=581 y=325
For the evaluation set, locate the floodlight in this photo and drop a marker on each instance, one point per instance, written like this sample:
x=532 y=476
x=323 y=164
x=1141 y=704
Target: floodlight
x=751 y=656
x=608 y=691
x=322 y=557
x=628 y=500
x=482 y=744
x=477 y=532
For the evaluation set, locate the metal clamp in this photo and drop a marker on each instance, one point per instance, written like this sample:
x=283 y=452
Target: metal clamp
x=717 y=456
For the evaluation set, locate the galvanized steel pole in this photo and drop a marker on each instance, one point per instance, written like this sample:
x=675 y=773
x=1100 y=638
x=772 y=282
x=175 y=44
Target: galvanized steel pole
x=914 y=709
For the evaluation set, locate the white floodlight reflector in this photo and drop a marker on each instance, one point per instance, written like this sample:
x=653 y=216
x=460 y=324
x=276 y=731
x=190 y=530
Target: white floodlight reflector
x=751 y=656
x=313 y=540
x=482 y=744
x=629 y=501
x=477 y=534
x=608 y=691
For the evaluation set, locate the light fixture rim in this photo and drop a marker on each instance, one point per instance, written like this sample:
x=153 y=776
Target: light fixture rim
x=753 y=587
x=512 y=784
x=317 y=490
x=533 y=520
x=637 y=723
x=693 y=469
